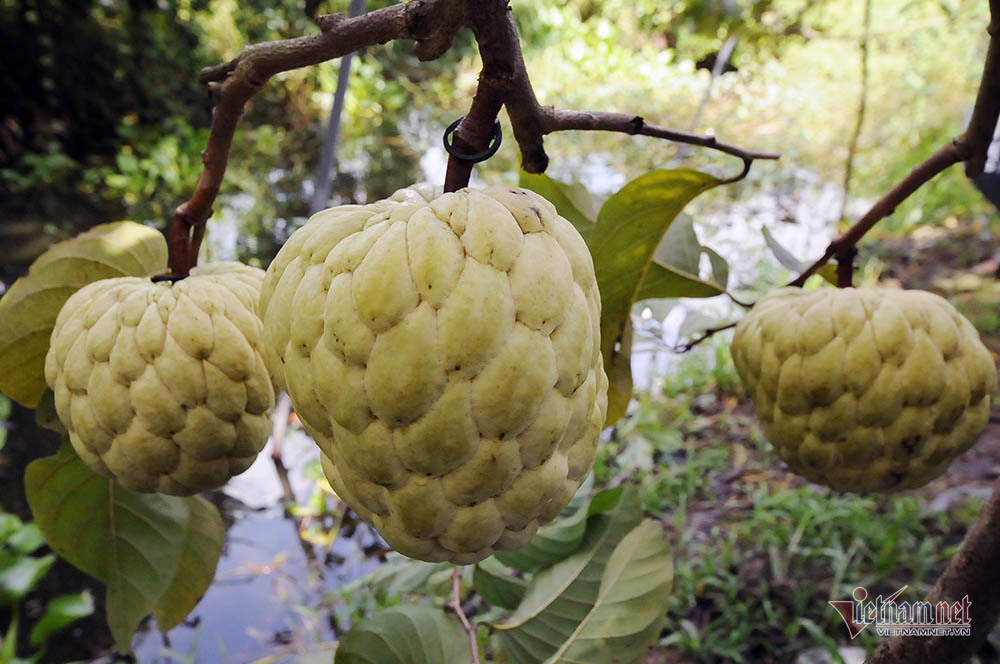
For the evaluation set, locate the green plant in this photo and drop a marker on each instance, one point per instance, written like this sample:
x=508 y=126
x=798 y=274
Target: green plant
x=20 y=572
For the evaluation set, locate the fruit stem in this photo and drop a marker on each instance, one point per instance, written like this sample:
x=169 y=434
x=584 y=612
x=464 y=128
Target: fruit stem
x=472 y=135
x=845 y=267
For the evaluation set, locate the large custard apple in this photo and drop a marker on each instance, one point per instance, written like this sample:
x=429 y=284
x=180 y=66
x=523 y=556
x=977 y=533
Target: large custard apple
x=865 y=389
x=162 y=385
x=444 y=352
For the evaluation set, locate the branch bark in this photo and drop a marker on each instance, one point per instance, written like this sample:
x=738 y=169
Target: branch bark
x=432 y=24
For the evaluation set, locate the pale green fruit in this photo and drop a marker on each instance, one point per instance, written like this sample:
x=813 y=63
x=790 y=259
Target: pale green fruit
x=444 y=352
x=865 y=389
x=162 y=385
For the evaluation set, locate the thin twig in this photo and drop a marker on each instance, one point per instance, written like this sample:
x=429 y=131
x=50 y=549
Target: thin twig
x=707 y=334
x=456 y=606
x=852 y=146
x=552 y=120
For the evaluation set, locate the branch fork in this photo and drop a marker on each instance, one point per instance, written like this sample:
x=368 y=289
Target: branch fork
x=432 y=24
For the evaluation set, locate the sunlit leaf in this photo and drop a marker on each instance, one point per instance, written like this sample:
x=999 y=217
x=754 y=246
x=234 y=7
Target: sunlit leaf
x=785 y=257
x=560 y=597
x=29 y=309
x=27 y=538
x=405 y=634
x=60 y=612
x=623 y=242
x=720 y=267
x=679 y=248
x=152 y=552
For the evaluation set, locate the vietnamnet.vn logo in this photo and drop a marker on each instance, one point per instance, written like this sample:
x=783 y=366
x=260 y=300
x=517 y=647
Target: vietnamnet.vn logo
x=893 y=617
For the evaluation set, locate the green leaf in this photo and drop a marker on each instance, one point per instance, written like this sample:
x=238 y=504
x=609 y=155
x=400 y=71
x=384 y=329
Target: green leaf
x=400 y=575
x=200 y=549
x=631 y=606
x=675 y=266
x=560 y=598
x=562 y=537
x=60 y=612
x=679 y=248
x=405 y=634
x=572 y=201
x=624 y=239
x=29 y=309
x=152 y=552
x=496 y=585
x=4 y=415
x=46 y=416
x=27 y=538
x=720 y=267
x=20 y=575
x=785 y=257
x=662 y=281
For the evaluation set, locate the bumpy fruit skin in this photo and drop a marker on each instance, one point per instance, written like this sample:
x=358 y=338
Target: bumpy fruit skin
x=444 y=352
x=865 y=389
x=161 y=385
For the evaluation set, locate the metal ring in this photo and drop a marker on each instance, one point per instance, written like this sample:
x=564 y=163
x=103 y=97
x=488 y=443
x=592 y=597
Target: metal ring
x=496 y=137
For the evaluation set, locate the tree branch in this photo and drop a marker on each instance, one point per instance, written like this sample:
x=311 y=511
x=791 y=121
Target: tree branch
x=432 y=24
x=970 y=147
x=705 y=336
x=922 y=173
x=987 y=107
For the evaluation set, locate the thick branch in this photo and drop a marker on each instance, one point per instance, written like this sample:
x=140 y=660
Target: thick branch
x=500 y=50
x=432 y=23
x=987 y=108
x=974 y=572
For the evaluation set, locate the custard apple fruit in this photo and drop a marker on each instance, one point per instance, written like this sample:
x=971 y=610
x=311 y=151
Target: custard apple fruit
x=865 y=389
x=162 y=385
x=444 y=352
